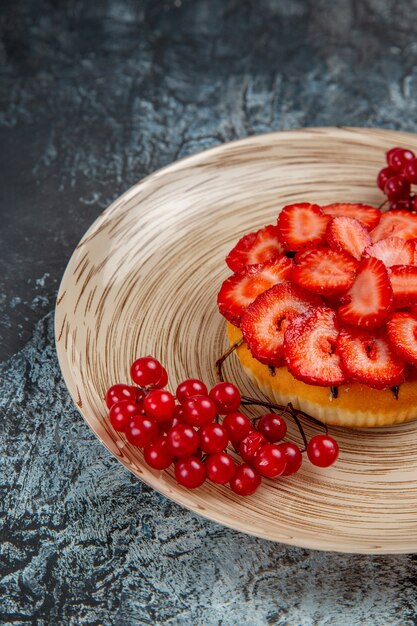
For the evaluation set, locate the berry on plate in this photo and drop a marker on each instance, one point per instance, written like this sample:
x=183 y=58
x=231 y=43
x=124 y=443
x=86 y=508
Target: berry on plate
x=322 y=450
x=240 y=290
x=325 y=271
x=255 y=248
x=348 y=234
x=310 y=348
x=368 y=302
x=404 y=284
x=265 y=321
x=368 y=215
x=395 y=224
x=368 y=358
x=302 y=226
x=393 y=251
x=402 y=334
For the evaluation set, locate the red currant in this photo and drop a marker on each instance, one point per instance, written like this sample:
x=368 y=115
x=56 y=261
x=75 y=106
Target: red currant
x=383 y=176
x=273 y=427
x=410 y=171
x=198 y=410
x=163 y=381
x=157 y=454
x=270 y=460
x=183 y=440
x=250 y=446
x=172 y=421
x=237 y=426
x=213 y=438
x=189 y=388
x=117 y=393
x=245 y=481
x=322 y=450
x=397 y=158
x=160 y=405
x=141 y=430
x=146 y=371
x=397 y=188
x=220 y=467
x=402 y=205
x=226 y=397
x=122 y=412
x=293 y=458
x=190 y=472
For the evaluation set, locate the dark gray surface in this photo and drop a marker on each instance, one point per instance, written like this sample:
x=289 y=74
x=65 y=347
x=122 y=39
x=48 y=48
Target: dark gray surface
x=93 y=97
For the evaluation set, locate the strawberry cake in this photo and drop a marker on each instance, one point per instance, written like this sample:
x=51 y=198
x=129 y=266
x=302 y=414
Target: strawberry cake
x=324 y=307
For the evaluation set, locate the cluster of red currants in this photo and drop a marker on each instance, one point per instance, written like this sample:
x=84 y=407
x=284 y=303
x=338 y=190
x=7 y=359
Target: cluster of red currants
x=185 y=430
x=396 y=178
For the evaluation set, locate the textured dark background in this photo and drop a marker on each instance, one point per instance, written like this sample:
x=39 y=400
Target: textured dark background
x=94 y=96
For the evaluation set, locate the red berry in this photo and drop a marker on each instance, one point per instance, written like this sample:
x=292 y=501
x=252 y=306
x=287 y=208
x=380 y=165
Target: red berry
x=322 y=450
x=146 y=371
x=163 y=381
x=190 y=388
x=198 y=410
x=293 y=458
x=226 y=397
x=213 y=438
x=190 y=472
x=397 y=188
x=157 y=454
x=273 y=427
x=410 y=171
x=237 y=426
x=383 y=176
x=159 y=404
x=183 y=440
x=407 y=204
x=245 y=481
x=397 y=158
x=250 y=446
x=141 y=430
x=220 y=467
x=122 y=412
x=270 y=460
x=166 y=425
x=117 y=393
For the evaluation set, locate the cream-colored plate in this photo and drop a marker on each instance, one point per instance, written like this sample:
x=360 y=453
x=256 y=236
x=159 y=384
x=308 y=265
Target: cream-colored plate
x=144 y=280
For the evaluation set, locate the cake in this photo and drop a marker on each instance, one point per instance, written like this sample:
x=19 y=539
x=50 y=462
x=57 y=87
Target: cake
x=323 y=305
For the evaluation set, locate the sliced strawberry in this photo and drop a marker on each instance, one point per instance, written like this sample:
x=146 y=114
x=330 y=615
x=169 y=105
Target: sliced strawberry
x=347 y=234
x=393 y=251
x=368 y=302
x=404 y=284
x=309 y=348
x=368 y=358
x=266 y=319
x=302 y=226
x=255 y=248
x=239 y=290
x=325 y=271
x=396 y=224
x=402 y=334
x=368 y=215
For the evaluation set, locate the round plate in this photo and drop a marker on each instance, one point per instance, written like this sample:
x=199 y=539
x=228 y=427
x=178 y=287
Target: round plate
x=144 y=280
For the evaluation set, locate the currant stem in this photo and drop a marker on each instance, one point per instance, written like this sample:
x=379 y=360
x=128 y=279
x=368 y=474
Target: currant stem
x=224 y=356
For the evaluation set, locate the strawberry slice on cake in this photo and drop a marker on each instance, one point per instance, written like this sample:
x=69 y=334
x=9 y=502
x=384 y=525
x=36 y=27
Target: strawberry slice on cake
x=238 y=291
x=265 y=321
x=324 y=271
x=302 y=226
x=310 y=348
x=368 y=358
x=368 y=303
x=368 y=215
x=254 y=248
x=402 y=334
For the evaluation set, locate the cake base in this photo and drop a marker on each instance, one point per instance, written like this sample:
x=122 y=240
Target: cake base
x=357 y=406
